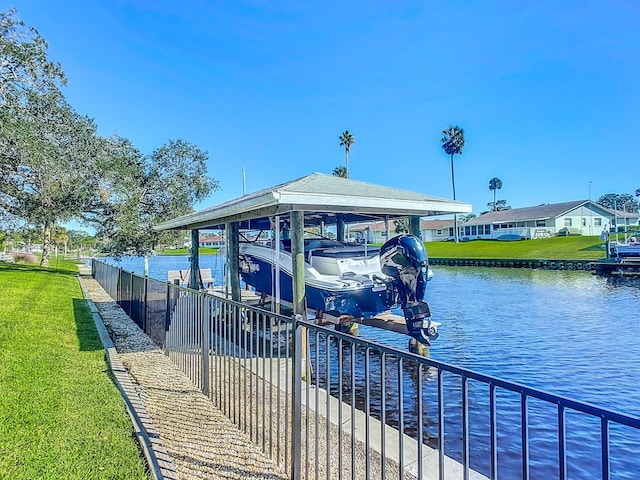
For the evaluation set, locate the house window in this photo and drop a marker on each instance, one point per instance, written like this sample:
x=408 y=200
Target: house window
x=467 y=230
x=487 y=229
x=584 y=222
x=474 y=230
x=541 y=223
x=438 y=232
x=597 y=222
x=451 y=232
x=567 y=222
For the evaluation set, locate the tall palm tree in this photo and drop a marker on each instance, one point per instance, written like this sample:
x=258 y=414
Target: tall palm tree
x=346 y=140
x=452 y=143
x=495 y=184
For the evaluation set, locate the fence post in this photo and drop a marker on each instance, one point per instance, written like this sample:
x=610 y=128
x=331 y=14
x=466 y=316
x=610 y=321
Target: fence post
x=204 y=315
x=119 y=287
x=144 y=306
x=167 y=318
x=296 y=419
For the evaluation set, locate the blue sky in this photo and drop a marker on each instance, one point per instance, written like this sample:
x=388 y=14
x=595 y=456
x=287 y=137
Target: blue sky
x=546 y=91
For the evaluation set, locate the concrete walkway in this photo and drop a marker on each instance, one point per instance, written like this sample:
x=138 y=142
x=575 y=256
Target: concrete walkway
x=182 y=434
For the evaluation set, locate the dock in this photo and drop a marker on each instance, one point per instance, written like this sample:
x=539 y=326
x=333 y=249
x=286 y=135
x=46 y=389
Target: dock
x=629 y=267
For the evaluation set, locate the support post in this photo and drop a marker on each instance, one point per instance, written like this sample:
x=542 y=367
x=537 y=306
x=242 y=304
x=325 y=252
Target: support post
x=299 y=299
x=194 y=260
x=297 y=257
x=414 y=226
x=340 y=229
x=234 y=251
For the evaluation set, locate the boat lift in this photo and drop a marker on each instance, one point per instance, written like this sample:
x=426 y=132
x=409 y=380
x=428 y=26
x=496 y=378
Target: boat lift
x=314 y=200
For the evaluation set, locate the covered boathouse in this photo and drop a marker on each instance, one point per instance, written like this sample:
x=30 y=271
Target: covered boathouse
x=316 y=200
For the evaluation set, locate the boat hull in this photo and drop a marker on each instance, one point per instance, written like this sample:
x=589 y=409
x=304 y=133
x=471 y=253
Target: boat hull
x=353 y=298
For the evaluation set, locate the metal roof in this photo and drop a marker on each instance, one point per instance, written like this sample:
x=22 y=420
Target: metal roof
x=321 y=197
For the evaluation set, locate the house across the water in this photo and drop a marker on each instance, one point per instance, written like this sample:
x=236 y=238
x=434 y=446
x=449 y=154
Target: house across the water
x=581 y=217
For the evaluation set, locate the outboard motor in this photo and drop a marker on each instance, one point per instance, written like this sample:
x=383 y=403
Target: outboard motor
x=404 y=259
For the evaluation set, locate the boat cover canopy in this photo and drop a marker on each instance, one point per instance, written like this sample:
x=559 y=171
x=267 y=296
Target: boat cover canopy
x=323 y=199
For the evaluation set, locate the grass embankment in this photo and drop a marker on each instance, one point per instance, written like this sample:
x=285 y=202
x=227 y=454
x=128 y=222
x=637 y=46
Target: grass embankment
x=563 y=248
x=60 y=414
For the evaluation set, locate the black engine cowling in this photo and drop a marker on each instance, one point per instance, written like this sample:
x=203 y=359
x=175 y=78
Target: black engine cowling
x=404 y=259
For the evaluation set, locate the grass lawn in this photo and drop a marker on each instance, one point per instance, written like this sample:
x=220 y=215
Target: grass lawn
x=564 y=248
x=60 y=414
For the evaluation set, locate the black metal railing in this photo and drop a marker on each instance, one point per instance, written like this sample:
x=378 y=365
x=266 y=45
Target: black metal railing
x=325 y=404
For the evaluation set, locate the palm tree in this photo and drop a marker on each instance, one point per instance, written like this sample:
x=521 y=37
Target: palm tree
x=495 y=184
x=452 y=144
x=346 y=140
x=340 y=172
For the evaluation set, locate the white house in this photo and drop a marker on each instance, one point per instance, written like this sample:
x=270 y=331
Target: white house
x=214 y=241
x=581 y=217
x=376 y=232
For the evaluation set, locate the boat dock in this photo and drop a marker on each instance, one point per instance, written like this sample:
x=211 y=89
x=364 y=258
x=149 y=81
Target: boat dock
x=625 y=268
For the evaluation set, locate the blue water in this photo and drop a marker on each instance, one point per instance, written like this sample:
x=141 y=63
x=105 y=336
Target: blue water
x=568 y=333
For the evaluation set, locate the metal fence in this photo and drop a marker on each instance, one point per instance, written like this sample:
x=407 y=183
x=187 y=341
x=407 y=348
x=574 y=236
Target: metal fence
x=328 y=405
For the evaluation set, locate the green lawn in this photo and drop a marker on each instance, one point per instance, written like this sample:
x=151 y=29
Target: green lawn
x=564 y=248
x=60 y=414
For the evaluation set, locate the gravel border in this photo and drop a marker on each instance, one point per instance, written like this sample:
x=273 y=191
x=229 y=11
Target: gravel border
x=198 y=440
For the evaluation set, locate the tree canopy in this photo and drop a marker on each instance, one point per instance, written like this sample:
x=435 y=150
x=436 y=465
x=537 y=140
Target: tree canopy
x=340 y=172
x=54 y=167
x=623 y=202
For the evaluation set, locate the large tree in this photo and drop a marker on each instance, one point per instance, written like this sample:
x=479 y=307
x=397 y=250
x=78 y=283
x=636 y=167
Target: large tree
x=46 y=148
x=54 y=167
x=495 y=184
x=50 y=171
x=347 y=140
x=623 y=202
x=25 y=72
x=165 y=184
x=452 y=143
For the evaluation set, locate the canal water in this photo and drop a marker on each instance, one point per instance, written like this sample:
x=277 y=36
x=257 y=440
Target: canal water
x=566 y=332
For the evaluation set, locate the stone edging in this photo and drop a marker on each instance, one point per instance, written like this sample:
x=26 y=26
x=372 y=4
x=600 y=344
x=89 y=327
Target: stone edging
x=158 y=460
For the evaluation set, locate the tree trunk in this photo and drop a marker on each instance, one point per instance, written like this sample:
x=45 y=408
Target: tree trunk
x=455 y=216
x=46 y=244
x=346 y=161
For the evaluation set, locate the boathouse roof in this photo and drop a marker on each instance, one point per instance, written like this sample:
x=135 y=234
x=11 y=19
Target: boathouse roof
x=321 y=197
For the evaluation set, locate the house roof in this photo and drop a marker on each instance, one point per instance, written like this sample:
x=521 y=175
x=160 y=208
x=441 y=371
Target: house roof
x=211 y=238
x=321 y=197
x=436 y=224
x=539 y=212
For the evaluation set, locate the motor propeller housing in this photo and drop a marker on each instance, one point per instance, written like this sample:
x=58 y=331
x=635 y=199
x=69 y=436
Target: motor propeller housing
x=404 y=259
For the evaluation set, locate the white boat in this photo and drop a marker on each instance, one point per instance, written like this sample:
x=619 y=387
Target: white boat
x=629 y=249
x=349 y=281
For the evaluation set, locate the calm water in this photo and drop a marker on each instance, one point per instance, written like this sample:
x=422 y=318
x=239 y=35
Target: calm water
x=569 y=333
